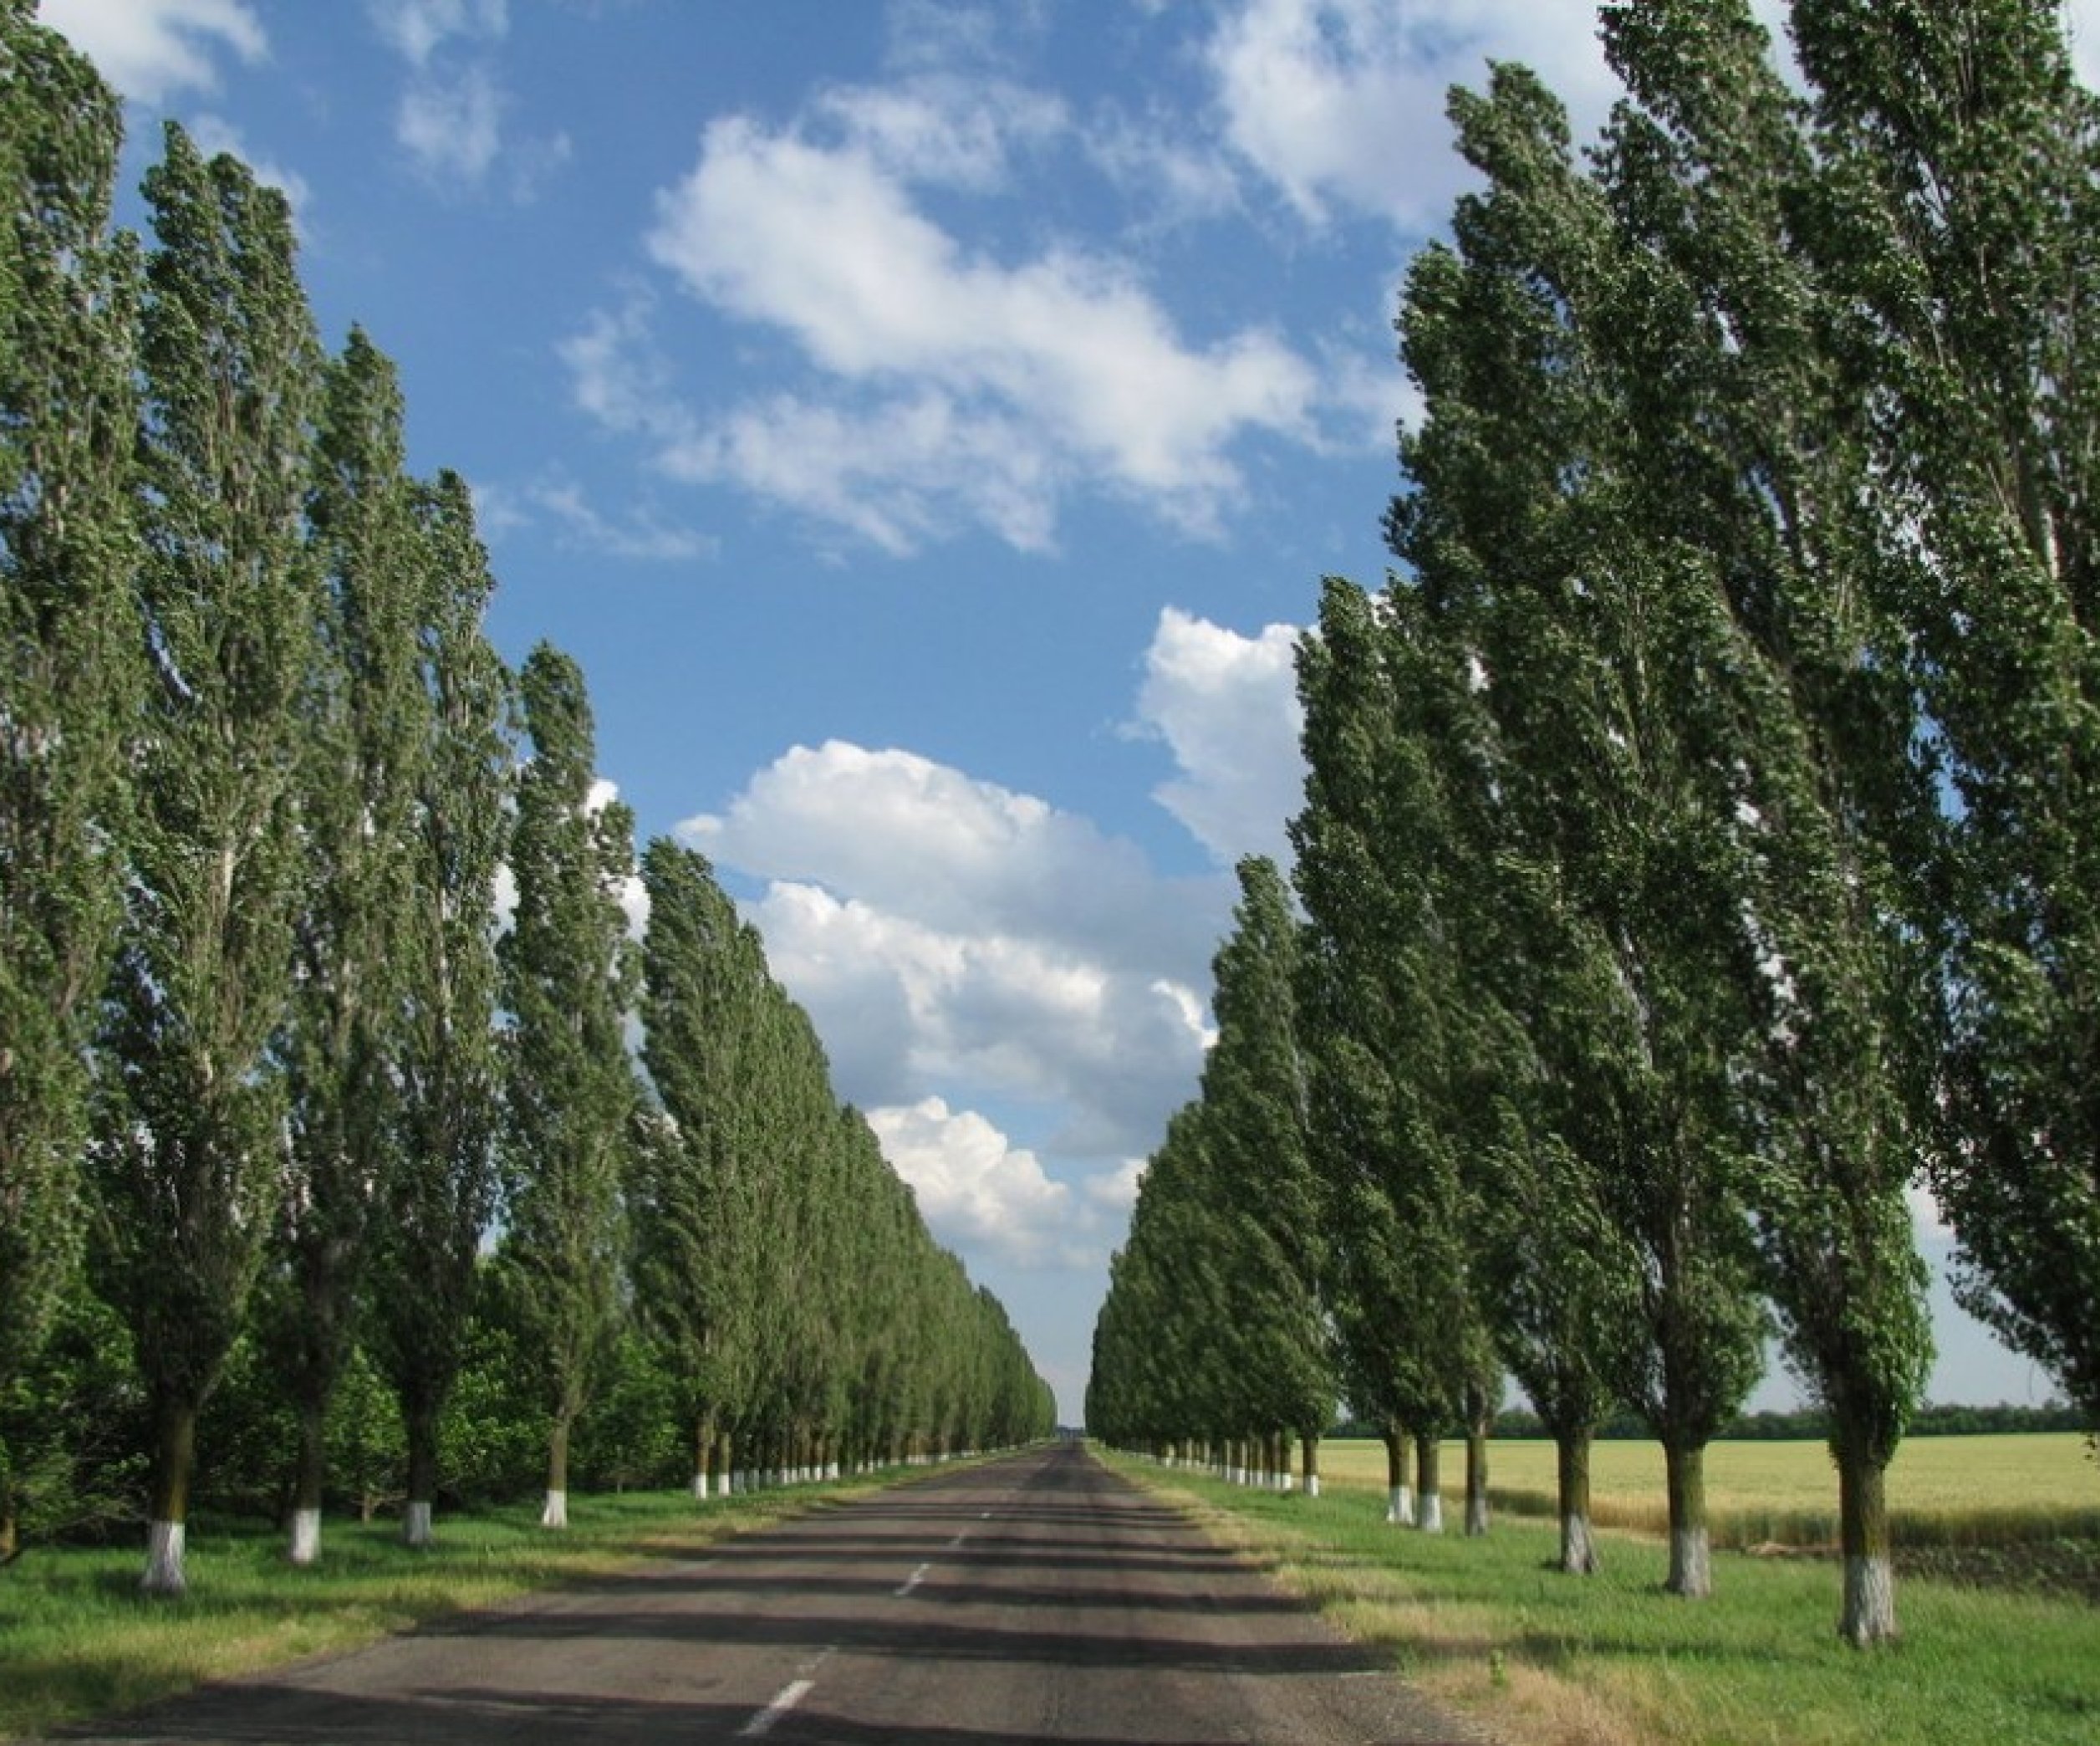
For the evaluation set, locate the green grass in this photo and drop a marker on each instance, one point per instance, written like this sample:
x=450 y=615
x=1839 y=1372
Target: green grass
x=1486 y=1627
x=1958 y=1491
x=78 y=1639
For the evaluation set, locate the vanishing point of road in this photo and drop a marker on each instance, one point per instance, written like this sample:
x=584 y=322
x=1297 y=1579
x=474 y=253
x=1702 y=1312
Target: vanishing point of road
x=1035 y=1599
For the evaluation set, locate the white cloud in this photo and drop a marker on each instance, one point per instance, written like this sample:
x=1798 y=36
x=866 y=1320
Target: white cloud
x=974 y=1187
x=452 y=128
x=1227 y=706
x=640 y=536
x=150 y=49
x=1340 y=103
x=416 y=30
x=945 y=384
x=943 y=930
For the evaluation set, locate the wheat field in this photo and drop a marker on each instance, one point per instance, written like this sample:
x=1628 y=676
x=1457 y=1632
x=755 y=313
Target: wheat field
x=1942 y=1490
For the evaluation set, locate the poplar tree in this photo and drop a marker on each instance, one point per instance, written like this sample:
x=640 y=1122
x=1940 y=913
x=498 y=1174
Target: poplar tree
x=191 y=1154
x=438 y=1193
x=1962 y=231
x=364 y=741
x=1601 y=663
x=1255 y=1095
x=1749 y=455
x=568 y=981
x=696 y=1199
x=68 y=669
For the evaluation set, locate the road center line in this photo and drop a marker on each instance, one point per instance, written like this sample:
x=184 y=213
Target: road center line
x=788 y=1697
x=913 y=1581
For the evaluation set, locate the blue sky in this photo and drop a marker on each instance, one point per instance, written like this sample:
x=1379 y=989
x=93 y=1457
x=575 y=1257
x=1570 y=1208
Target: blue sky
x=927 y=423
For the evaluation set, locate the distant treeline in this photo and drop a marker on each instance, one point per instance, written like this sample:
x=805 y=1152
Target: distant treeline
x=1804 y=1424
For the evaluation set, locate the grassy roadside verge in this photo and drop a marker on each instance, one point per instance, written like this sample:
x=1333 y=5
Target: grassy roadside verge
x=78 y=1640
x=1488 y=1628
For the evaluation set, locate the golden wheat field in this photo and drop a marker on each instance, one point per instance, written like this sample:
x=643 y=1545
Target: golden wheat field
x=1942 y=1490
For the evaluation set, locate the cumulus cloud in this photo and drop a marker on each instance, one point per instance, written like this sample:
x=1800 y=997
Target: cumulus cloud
x=1339 y=104
x=940 y=382
x=150 y=49
x=416 y=29
x=1227 y=706
x=976 y=1188
x=452 y=128
x=945 y=930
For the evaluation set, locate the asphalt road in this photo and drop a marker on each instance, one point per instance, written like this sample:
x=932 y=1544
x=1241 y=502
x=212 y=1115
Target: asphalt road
x=1035 y=1599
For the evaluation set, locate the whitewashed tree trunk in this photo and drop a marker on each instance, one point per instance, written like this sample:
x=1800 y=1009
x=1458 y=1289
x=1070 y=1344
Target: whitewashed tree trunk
x=164 y=1548
x=1311 y=1485
x=1429 y=1512
x=415 y=1527
x=556 y=1514
x=306 y=1538
x=1400 y=1510
x=1870 y=1601
x=700 y=1485
x=1691 y=1564
x=1578 y=1545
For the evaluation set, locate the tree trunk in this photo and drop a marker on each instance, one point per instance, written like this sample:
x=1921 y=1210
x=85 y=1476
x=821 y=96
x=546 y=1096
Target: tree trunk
x=1476 y=1479
x=174 y=1454
x=556 y=1514
x=1309 y=1462
x=703 y=1454
x=1429 y=1487
x=1691 y=1564
x=421 y=1425
x=305 y=1549
x=1863 y=1514
x=1579 y=1546
x=1399 y=1505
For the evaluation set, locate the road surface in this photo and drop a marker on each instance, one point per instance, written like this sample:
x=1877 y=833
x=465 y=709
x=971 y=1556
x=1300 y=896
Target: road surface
x=1035 y=1599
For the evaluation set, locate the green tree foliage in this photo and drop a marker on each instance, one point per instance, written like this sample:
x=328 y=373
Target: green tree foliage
x=365 y=737
x=190 y=1155
x=567 y=976
x=1963 y=233
x=1254 y=1087
x=439 y=1189
x=68 y=642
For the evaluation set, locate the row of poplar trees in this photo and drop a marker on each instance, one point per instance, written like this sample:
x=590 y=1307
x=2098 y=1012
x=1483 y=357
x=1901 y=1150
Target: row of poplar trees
x=1701 y=843
x=271 y=1065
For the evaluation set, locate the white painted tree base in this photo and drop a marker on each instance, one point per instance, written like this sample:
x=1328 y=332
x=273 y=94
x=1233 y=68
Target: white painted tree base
x=415 y=1527
x=1429 y=1512
x=306 y=1538
x=556 y=1514
x=1692 y=1568
x=1870 y=1601
x=164 y=1545
x=1579 y=1546
x=699 y=1487
x=1399 y=1509
x=1311 y=1485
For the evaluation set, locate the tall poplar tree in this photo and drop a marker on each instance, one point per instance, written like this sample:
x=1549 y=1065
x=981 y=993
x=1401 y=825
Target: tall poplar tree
x=69 y=644
x=438 y=1193
x=1255 y=1094
x=190 y=1151
x=1750 y=461
x=1603 y=663
x=698 y=1196
x=364 y=743
x=568 y=978
x=1964 y=234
